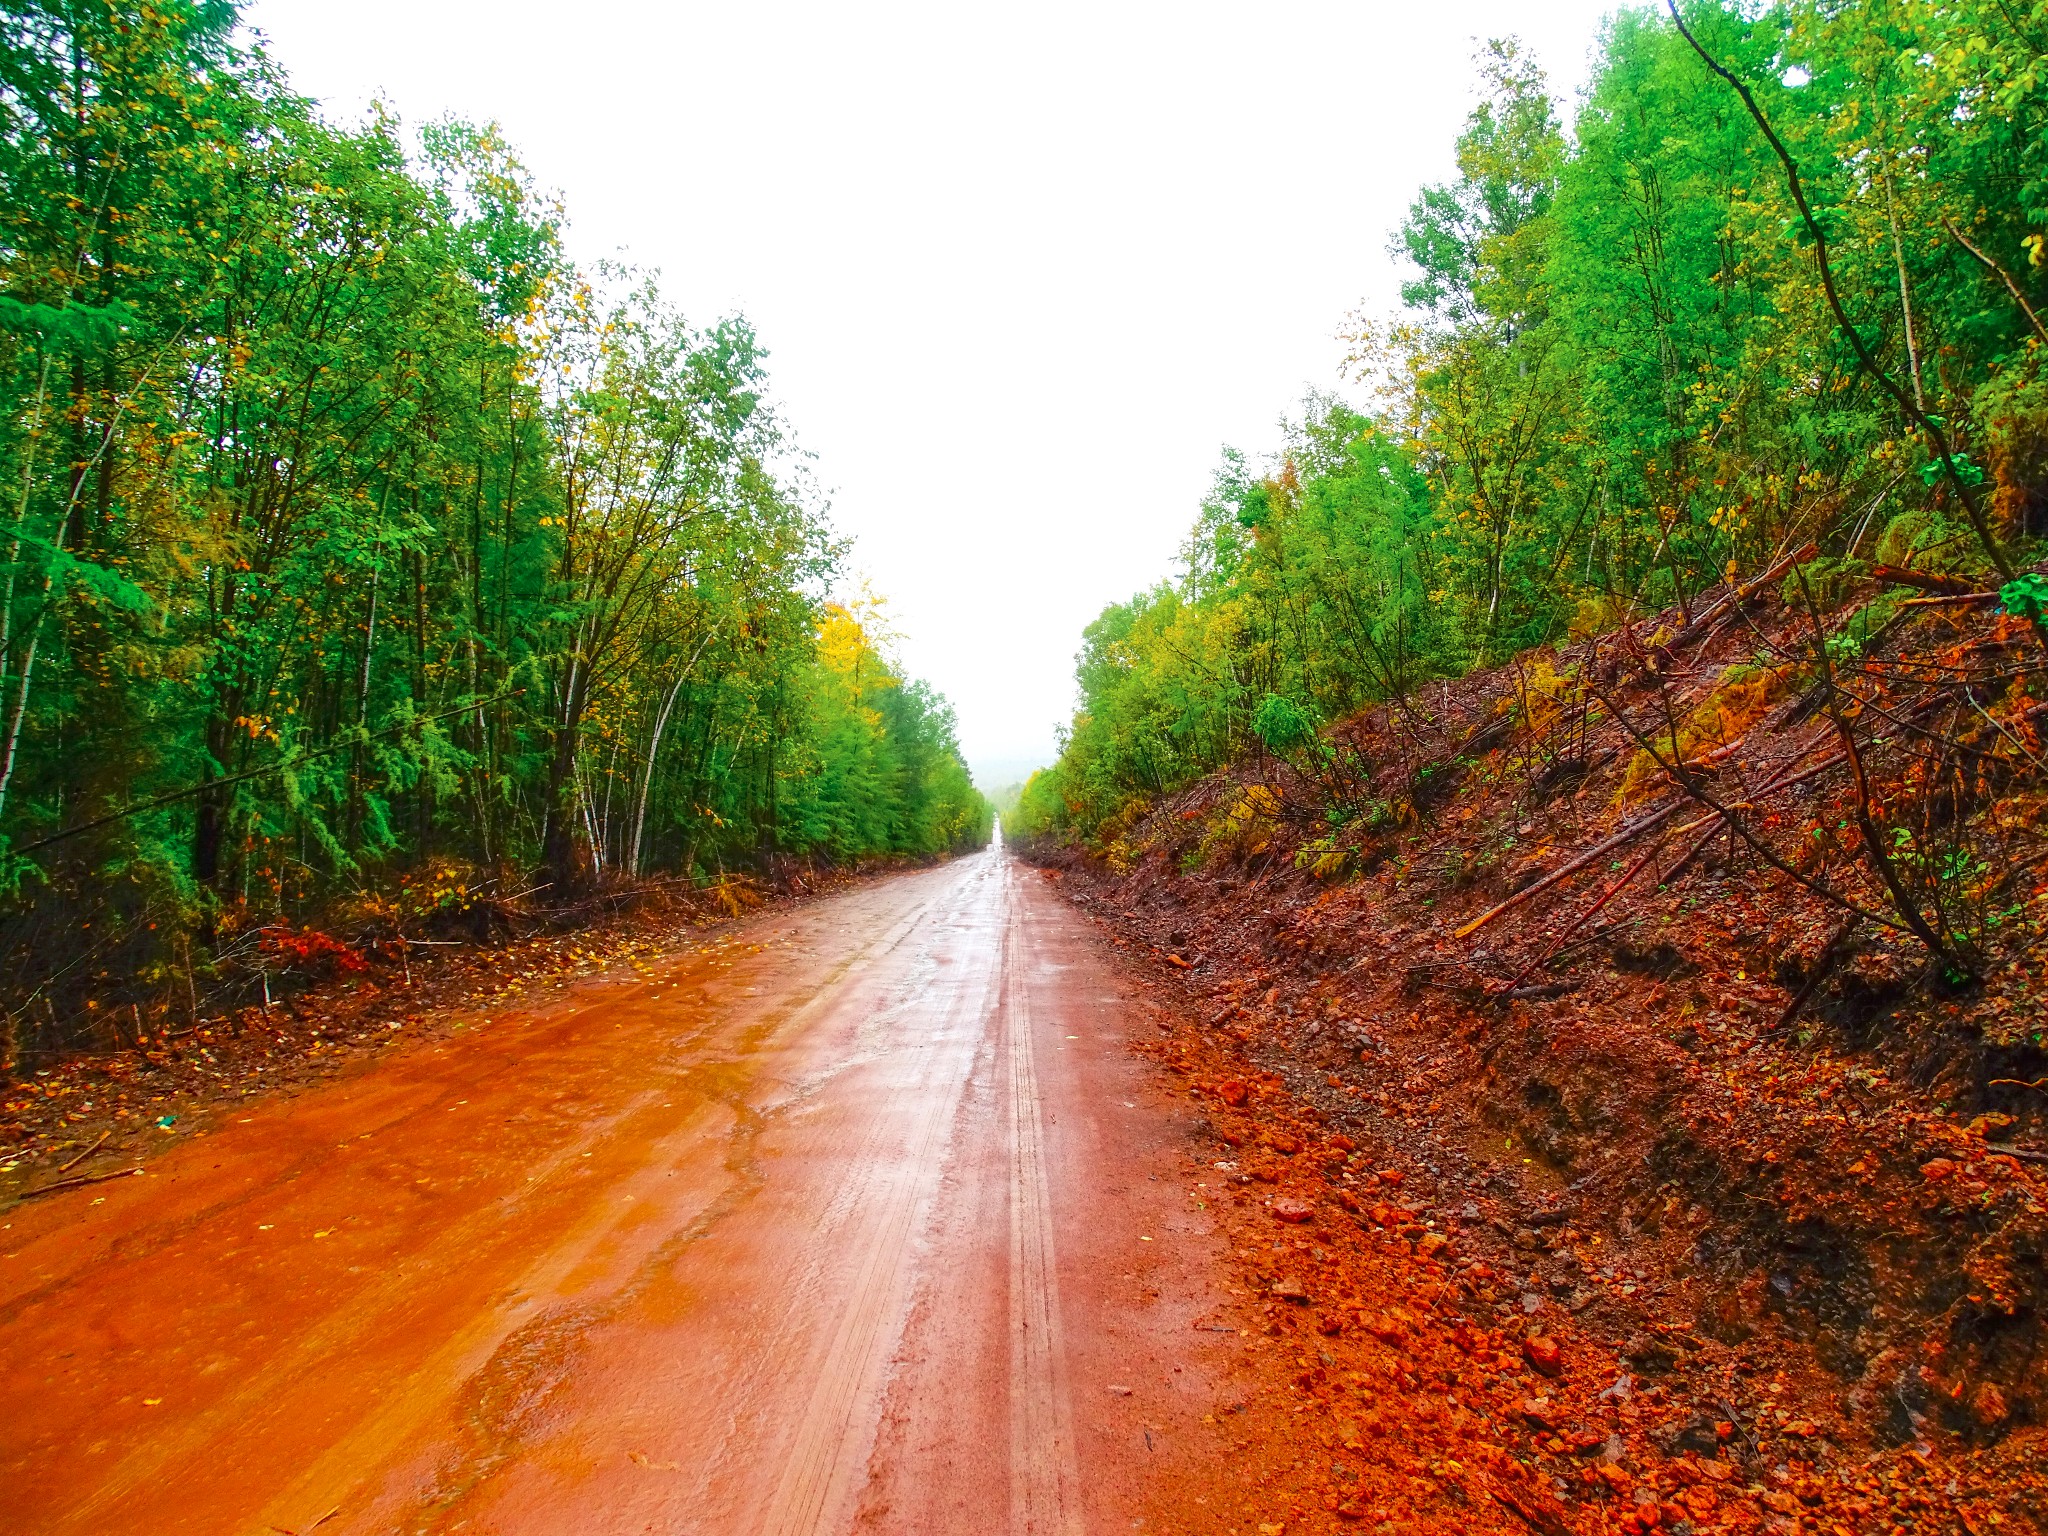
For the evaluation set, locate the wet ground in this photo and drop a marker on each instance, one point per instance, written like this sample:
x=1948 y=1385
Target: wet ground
x=864 y=1218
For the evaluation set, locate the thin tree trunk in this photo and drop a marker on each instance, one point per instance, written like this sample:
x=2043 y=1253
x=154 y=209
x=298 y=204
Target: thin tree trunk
x=558 y=841
x=28 y=667
x=653 y=748
x=369 y=644
x=587 y=803
x=1905 y=293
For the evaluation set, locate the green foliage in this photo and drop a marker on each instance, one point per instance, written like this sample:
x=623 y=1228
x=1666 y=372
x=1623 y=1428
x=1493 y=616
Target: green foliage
x=1287 y=729
x=1855 y=636
x=350 y=531
x=1618 y=381
x=1041 y=808
x=2027 y=596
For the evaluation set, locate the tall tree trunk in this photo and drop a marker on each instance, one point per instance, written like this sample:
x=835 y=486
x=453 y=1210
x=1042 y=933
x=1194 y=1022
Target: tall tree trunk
x=566 y=861
x=653 y=750
x=209 y=823
x=355 y=767
x=423 y=791
x=28 y=668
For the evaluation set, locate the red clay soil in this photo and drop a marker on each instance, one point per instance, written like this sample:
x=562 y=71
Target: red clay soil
x=1569 y=1214
x=92 y=1114
x=863 y=1214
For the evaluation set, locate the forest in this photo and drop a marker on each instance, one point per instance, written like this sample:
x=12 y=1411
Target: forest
x=1778 y=284
x=367 y=559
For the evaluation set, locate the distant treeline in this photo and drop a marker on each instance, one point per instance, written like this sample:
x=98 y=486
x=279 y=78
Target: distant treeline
x=350 y=528
x=1621 y=376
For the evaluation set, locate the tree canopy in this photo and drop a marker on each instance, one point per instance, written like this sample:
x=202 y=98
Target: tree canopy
x=1619 y=377
x=353 y=531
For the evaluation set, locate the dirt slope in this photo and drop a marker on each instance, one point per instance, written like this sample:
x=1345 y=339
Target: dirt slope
x=1793 y=1261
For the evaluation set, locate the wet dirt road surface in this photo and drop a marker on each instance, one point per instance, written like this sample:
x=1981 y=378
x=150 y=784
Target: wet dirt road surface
x=862 y=1217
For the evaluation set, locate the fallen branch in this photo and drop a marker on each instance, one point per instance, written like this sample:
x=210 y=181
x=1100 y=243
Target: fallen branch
x=287 y=1531
x=1629 y=834
x=1743 y=594
x=2022 y=1154
x=1570 y=867
x=1926 y=581
x=1736 y=827
x=78 y=1183
x=1604 y=931
x=1593 y=911
x=1873 y=841
x=88 y=1152
x=1952 y=600
x=1684 y=861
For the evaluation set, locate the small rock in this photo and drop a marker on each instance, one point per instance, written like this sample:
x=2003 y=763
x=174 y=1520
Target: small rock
x=1934 y=1170
x=1282 y=1142
x=1543 y=1355
x=1385 y=1328
x=1120 y=1391
x=1289 y=1290
x=1293 y=1211
x=1538 y=1411
x=1232 y=1093
x=1391 y=1175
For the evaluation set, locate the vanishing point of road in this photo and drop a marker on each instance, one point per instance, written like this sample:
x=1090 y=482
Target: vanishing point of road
x=861 y=1218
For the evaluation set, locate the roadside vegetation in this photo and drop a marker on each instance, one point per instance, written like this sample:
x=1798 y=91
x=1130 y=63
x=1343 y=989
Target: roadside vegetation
x=1596 y=779
x=370 y=569
x=1620 y=381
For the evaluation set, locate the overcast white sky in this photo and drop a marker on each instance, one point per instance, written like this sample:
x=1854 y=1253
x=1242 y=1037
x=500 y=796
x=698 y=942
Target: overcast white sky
x=1021 y=270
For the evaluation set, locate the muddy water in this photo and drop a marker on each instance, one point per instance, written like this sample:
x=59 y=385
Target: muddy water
x=862 y=1219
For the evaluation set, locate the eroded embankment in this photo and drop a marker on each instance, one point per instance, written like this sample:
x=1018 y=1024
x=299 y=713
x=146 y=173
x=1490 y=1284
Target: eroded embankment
x=1816 y=1234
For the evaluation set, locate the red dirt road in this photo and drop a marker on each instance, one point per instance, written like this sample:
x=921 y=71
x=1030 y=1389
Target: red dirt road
x=862 y=1217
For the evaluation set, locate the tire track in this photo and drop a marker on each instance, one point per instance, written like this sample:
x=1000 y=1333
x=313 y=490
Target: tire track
x=1044 y=1479
x=880 y=1206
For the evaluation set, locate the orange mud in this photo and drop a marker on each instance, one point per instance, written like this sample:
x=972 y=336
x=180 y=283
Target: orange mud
x=865 y=1218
